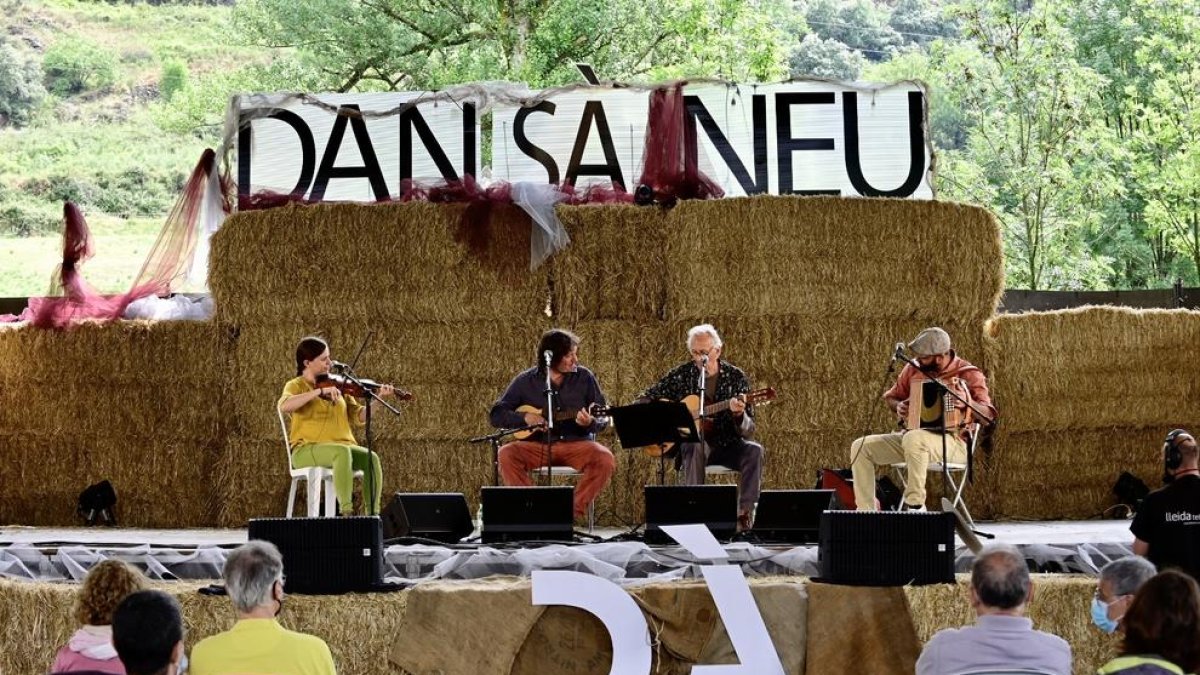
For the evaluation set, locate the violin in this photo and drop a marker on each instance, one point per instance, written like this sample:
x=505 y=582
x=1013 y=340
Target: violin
x=355 y=387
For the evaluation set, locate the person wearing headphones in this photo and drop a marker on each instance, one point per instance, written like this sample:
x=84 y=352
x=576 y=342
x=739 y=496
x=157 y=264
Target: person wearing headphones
x=1167 y=526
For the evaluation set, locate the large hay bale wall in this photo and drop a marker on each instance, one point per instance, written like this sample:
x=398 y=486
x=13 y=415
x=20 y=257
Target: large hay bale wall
x=1084 y=395
x=138 y=403
x=809 y=293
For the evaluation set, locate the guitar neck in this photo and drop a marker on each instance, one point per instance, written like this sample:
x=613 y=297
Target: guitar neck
x=715 y=408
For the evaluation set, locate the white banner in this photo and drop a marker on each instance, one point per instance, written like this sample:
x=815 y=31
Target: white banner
x=806 y=137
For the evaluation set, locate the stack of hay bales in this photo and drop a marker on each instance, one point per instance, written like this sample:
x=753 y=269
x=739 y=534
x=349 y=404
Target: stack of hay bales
x=809 y=295
x=136 y=403
x=1084 y=395
x=449 y=325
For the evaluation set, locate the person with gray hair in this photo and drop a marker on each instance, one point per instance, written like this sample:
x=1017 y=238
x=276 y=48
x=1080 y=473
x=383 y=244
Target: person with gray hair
x=1119 y=581
x=1002 y=637
x=728 y=420
x=257 y=644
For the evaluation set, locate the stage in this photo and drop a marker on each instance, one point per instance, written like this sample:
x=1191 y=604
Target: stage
x=65 y=554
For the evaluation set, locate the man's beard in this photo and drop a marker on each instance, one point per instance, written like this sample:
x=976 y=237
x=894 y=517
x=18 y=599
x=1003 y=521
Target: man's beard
x=930 y=368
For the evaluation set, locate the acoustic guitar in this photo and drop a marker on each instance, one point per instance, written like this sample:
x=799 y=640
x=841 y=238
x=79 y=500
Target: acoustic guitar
x=595 y=410
x=692 y=401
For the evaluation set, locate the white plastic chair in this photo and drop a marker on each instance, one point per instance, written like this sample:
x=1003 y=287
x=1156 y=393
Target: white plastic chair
x=317 y=476
x=571 y=473
x=956 y=473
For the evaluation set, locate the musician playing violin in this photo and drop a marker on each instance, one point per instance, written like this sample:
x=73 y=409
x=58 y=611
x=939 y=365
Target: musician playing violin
x=727 y=438
x=322 y=416
x=918 y=447
x=573 y=438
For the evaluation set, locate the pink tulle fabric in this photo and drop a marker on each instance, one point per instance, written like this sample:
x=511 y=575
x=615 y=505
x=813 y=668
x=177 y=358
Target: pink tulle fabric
x=72 y=299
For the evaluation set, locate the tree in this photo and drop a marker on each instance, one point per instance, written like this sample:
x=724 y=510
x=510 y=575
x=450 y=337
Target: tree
x=1034 y=140
x=398 y=44
x=20 y=86
x=815 y=57
x=861 y=25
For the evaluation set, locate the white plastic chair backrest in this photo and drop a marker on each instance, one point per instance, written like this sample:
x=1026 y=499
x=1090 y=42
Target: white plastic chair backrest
x=287 y=447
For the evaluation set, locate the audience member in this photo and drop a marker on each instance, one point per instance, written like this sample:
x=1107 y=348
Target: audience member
x=1162 y=629
x=1119 y=580
x=1002 y=638
x=257 y=644
x=91 y=649
x=148 y=634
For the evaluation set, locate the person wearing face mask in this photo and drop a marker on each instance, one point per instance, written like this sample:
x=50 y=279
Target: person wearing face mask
x=1119 y=581
x=917 y=448
x=1167 y=525
x=257 y=644
x=1161 y=629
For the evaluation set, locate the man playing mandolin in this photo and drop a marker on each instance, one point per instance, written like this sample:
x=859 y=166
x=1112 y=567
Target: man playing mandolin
x=727 y=431
x=917 y=446
x=572 y=442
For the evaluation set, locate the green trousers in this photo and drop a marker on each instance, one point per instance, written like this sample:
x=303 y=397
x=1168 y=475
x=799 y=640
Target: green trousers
x=344 y=460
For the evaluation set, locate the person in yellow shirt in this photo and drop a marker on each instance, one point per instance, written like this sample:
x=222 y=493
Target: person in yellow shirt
x=257 y=644
x=320 y=433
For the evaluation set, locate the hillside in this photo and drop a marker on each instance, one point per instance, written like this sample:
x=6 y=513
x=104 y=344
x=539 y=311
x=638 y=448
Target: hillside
x=118 y=130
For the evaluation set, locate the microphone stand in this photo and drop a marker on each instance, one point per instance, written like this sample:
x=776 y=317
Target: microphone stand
x=702 y=384
x=494 y=439
x=549 y=421
x=946 y=389
x=369 y=481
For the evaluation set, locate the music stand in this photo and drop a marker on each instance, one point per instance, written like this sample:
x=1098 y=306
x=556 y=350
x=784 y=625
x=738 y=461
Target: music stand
x=652 y=423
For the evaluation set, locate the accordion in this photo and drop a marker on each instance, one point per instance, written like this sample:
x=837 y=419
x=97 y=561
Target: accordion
x=932 y=409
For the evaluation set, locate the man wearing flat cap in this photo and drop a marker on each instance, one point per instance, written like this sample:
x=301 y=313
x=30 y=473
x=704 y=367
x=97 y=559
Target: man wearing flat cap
x=917 y=448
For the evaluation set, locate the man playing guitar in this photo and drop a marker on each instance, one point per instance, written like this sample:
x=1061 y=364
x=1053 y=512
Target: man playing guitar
x=572 y=441
x=726 y=434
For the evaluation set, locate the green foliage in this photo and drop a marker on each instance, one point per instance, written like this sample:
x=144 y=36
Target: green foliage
x=174 y=77
x=73 y=65
x=20 y=86
x=817 y=57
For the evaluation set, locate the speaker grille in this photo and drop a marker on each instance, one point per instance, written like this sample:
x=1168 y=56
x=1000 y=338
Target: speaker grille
x=888 y=548
x=326 y=555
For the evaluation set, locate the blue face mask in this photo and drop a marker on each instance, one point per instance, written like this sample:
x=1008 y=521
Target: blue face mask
x=1100 y=616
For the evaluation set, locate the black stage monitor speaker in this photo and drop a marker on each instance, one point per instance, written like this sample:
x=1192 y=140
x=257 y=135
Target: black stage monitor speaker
x=790 y=516
x=711 y=505
x=886 y=548
x=528 y=514
x=326 y=555
x=441 y=516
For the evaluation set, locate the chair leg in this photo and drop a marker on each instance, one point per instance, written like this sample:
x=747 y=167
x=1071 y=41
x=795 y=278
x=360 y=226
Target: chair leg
x=958 y=498
x=592 y=516
x=292 y=497
x=330 y=498
x=314 y=494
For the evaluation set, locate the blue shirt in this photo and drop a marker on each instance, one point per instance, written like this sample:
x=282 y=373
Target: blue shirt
x=577 y=390
x=995 y=641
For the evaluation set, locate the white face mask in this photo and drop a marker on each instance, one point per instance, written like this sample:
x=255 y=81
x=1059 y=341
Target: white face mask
x=183 y=665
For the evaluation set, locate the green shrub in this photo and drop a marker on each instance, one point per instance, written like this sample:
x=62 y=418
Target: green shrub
x=73 y=65
x=174 y=77
x=21 y=88
x=59 y=188
x=23 y=220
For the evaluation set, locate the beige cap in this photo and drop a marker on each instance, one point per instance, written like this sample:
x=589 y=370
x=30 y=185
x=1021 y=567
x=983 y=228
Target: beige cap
x=930 y=341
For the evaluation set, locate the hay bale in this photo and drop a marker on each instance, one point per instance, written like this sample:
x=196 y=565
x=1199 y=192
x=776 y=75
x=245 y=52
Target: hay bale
x=833 y=257
x=1095 y=368
x=615 y=266
x=1057 y=475
x=372 y=262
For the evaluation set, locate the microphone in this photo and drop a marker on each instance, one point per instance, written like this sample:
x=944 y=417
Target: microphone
x=704 y=359
x=547 y=356
x=340 y=367
x=898 y=355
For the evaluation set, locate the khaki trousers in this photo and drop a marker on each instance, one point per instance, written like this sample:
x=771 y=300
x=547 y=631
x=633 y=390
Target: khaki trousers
x=915 y=448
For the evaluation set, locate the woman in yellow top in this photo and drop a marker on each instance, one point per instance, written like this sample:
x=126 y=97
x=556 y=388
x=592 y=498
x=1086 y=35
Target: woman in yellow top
x=320 y=432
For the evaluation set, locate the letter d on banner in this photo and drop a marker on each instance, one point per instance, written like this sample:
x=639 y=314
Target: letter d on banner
x=608 y=602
